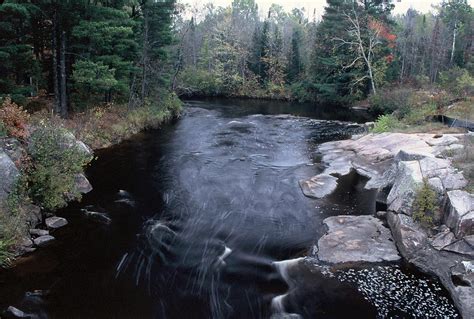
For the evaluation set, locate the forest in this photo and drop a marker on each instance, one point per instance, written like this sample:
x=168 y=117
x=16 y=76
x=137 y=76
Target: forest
x=353 y=50
x=81 y=54
x=179 y=158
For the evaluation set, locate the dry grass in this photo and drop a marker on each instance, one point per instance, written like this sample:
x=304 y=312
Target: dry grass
x=464 y=160
x=462 y=110
x=431 y=128
x=103 y=126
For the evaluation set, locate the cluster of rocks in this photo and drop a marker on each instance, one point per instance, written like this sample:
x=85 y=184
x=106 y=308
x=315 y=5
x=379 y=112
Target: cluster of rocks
x=39 y=237
x=397 y=166
x=39 y=223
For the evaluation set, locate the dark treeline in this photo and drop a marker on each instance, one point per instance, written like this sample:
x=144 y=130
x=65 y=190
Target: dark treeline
x=356 y=48
x=86 y=52
x=83 y=52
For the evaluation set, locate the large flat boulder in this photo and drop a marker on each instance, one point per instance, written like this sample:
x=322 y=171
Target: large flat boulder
x=460 y=213
x=319 y=186
x=356 y=239
x=408 y=180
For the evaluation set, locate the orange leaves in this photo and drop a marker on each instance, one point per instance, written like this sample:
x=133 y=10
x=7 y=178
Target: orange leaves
x=14 y=118
x=383 y=31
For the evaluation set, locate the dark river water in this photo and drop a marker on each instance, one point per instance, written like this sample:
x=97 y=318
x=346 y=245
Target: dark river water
x=204 y=218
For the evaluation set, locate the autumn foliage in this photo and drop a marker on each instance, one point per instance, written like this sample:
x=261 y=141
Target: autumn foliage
x=383 y=32
x=14 y=118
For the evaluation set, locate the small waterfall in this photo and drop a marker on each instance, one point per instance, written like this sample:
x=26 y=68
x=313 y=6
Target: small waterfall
x=277 y=305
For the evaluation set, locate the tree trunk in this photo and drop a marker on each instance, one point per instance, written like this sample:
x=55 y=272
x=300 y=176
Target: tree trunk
x=145 y=53
x=372 y=82
x=54 y=47
x=454 y=43
x=62 y=77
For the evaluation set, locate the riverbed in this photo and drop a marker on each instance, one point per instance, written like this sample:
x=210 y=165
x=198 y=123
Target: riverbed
x=194 y=220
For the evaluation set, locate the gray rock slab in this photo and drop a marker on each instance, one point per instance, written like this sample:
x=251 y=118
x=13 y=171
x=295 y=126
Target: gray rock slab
x=55 y=222
x=408 y=180
x=460 y=213
x=318 y=186
x=43 y=241
x=8 y=175
x=356 y=239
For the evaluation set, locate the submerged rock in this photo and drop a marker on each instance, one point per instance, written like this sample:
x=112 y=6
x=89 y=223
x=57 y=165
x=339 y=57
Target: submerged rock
x=319 y=186
x=356 y=239
x=102 y=218
x=13 y=312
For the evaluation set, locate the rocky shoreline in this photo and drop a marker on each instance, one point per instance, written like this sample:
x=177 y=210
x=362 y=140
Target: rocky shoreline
x=397 y=166
x=41 y=223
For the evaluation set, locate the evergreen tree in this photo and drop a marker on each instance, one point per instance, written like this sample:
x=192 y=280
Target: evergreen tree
x=19 y=68
x=295 y=66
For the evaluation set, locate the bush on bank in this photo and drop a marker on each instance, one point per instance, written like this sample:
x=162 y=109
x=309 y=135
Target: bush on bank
x=54 y=166
x=51 y=162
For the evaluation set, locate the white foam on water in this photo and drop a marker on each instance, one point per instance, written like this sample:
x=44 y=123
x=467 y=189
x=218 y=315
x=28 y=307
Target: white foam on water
x=283 y=266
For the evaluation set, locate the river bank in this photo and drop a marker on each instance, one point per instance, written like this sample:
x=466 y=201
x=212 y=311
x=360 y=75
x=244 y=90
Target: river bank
x=427 y=208
x=204 y=213
x=42 y=161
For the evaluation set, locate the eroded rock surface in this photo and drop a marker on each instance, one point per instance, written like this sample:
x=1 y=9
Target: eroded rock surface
x=356 y=239
x=319 y=186
x=397 y=165
x=373 y=156
x=460 y=217
x=408 y=180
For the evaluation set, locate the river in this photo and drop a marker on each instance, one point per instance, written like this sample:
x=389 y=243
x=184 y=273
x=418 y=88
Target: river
x=204 y=218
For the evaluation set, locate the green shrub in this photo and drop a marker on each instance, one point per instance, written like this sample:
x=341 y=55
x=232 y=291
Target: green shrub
x=388 y=101
x=5 y=255
x=418 y=115
x=199 y=82
x=172 y=103
x=425 y=206
x=13 y=220
x=55 y=163
x=299 y=92
x=386 y=123
x=458 y=82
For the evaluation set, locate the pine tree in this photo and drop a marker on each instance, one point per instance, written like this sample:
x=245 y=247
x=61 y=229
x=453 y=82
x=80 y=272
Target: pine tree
x=295 y=66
